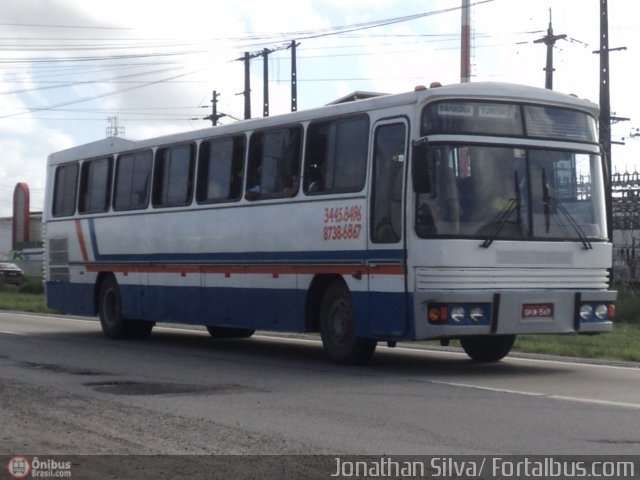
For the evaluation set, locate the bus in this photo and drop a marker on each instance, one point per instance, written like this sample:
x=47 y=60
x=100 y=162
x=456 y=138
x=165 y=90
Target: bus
x=472 y=212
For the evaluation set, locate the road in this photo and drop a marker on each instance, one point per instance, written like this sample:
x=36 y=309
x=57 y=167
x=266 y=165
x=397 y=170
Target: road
x=67 y=390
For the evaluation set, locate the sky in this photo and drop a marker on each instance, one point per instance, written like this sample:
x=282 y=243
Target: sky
x=69 y=67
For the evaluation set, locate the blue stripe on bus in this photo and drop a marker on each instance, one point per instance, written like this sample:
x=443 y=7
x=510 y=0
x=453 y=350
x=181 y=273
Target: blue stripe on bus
x=92 y=236
x=342 y=256
x=378 y=314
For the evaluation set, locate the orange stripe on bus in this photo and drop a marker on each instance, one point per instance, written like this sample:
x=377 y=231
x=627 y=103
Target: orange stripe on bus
x=83 y=246
x=275 y=270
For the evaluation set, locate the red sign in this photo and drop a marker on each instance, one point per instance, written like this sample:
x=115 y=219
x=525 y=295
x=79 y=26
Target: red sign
x=537 y=310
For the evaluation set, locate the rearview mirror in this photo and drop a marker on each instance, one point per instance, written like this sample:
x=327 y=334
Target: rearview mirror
x=421 y=168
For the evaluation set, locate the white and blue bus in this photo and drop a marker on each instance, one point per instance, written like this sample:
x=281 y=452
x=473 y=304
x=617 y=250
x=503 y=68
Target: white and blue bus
x=472 y=212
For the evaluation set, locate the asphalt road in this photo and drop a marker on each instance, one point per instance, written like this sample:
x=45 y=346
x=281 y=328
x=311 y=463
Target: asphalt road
x=67 y=390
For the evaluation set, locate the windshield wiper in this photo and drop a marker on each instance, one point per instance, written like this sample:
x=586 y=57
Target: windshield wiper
x=501 y=219
x=549 y=201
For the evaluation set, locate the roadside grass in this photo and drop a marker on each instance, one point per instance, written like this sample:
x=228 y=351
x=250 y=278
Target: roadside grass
x=623 y=343
x=28 y=297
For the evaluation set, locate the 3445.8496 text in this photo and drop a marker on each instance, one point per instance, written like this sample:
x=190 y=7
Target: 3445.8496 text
x=342 y=223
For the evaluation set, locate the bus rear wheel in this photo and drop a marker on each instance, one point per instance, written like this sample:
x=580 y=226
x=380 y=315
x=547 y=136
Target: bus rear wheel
x=229 y=332
x=487 y=348
x=338 y=329
x=114 y=324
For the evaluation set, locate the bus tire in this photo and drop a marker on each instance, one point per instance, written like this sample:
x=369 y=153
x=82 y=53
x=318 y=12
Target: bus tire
x=487 y=348
x=114 y=324
x=139 y=329
x=229 y=332
x=338 y=329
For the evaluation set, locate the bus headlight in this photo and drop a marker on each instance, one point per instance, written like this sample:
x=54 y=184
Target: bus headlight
x=476 y=315
x=457 y=314
x=601 y=312
x=586 y=312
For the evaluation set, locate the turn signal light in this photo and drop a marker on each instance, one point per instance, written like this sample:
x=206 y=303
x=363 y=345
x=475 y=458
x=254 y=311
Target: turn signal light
x=437 y=314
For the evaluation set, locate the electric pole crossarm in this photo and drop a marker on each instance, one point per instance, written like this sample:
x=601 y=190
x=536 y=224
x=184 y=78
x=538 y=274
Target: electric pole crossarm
x=598 y=52
x=549 y=40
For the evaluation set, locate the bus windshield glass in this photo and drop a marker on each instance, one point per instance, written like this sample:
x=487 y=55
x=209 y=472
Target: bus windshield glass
x=495 y=192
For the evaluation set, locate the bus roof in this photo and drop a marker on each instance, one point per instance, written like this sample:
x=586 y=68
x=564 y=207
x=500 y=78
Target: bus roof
x=473 y=91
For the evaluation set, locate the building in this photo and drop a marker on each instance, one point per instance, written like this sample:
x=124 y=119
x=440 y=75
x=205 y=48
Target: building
x=26 y=254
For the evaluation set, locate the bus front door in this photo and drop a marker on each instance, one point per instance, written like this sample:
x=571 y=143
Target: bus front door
x=386 y=255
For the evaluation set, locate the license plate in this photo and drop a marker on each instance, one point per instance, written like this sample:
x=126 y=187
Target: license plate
x=537 y=310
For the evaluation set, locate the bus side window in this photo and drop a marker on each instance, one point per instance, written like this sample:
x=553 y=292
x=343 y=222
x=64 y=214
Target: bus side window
x=274 y=163
x=173 y=178
x=95 y=185
x=133 y=176
x=336 y=155
x=65 y=190
x=220 y=169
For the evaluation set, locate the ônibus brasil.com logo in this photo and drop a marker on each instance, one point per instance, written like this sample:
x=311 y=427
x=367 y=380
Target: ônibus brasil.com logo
x=19 y=467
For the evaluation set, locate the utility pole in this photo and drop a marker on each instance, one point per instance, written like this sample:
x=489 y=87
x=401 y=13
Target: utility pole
x=605 y=107
x=550 y=40
x=294 y=77
x=265 y=81
x=264 y=53
x=465 y=43
x=214 y=108
x=247 y=86
x=605 y=98
x=214 y=117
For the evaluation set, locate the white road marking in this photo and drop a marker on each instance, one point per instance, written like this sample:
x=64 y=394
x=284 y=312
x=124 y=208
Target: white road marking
x=593 y=401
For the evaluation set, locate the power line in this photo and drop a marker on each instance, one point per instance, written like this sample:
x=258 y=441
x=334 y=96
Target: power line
x=84 y=82
x=82 y=27
x=99 y=58
x=94 y=97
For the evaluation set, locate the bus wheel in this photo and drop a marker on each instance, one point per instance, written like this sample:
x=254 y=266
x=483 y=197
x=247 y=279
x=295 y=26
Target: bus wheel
x=113 y=323
x=338 y=329
x=229 y=332
x=139 y=329
x=487 y=348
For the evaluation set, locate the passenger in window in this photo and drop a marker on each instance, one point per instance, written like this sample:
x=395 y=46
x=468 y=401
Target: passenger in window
x=314 y=181
x=253 y=193
x=425 y=223
x=316 y=186
x=502 y=205
x=253 y=185
x=293 y=186
x=502 y=190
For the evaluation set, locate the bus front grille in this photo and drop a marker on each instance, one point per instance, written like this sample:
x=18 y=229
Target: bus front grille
x=474 y=278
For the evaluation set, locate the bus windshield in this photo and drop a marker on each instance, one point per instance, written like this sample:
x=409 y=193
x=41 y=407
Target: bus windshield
x=492 y=192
